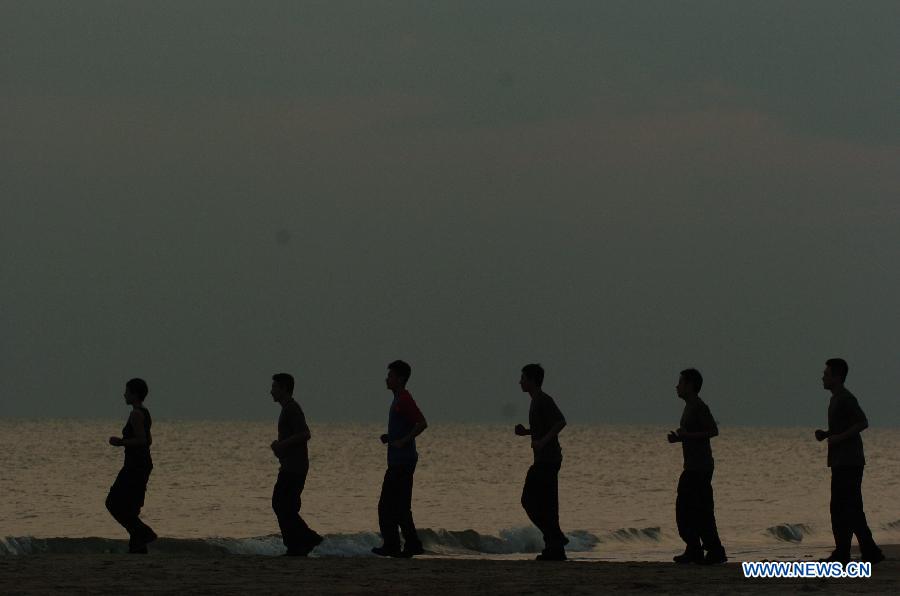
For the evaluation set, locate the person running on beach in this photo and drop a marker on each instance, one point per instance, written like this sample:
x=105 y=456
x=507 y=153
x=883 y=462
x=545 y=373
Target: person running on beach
x=405 y=423
x=126 y=495
x=694 y=507
x=847 y=461
x=540 y=495
x=291 y=450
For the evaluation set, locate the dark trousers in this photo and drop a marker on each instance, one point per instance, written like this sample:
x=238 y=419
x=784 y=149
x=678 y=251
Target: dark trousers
x=540 y=499
x=695 y=511
x=124 y=502
x=286 y=505
x=395 y=507
x=847 y=515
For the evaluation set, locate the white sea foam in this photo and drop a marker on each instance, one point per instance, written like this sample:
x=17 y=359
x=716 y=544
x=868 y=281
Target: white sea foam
x=789 y=532
x=510 y=541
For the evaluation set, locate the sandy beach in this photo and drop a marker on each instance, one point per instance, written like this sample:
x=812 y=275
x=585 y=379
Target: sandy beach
x=229 y=574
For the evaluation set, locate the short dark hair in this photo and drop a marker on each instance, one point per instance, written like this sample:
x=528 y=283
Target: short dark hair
x=285 y=381
x=401 y=369
x=137 y=387
x=693 y=376
x=838 y=367
x=534 y=372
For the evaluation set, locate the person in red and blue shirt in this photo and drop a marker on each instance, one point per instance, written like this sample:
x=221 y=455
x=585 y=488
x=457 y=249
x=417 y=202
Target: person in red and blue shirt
x=405 y=423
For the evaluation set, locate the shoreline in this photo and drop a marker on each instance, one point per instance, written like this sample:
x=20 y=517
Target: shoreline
x=358 y=546
x=234 y=574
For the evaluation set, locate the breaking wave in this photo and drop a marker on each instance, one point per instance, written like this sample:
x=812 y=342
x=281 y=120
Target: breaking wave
x=440 y=542
x=788 y=532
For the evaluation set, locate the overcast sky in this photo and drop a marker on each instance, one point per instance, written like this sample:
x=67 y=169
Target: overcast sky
x=204 y=194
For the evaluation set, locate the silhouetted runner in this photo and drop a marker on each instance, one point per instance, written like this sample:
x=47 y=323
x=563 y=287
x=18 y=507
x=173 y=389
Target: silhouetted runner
x=126 y=495
x=847 y=461
x=540 y=495
x=291 y=451
x=405 y=423
x=694 y=508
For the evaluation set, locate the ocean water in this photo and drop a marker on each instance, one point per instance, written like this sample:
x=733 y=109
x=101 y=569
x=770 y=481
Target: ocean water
x=211 y=487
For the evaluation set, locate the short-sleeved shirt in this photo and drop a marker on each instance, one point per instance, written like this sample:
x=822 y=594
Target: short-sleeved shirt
x=138 y=457
x=697 y=453
x=844 y=412
x=542 y=416
x=292 y=422
x=402 y=418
